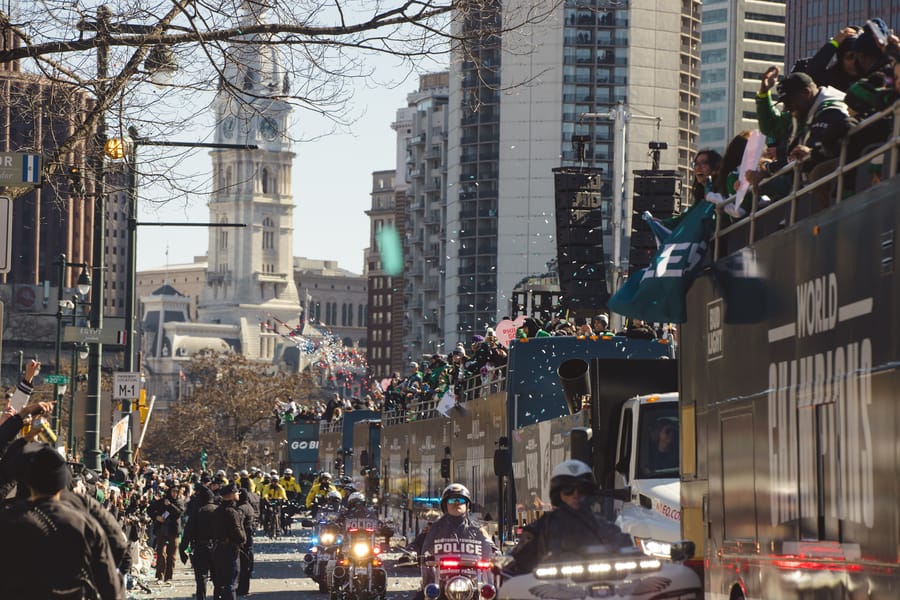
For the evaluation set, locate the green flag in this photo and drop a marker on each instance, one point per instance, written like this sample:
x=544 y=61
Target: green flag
x=657 y=293
x=204 y=458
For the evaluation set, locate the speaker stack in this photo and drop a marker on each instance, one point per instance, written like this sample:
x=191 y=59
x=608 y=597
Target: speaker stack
x=579 y=240
x=654 y=191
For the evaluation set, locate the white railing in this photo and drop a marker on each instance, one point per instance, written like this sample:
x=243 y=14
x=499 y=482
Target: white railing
x=888 y=151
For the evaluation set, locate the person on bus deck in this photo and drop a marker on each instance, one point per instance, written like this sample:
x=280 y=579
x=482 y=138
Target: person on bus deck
x=814 y=123
x=570 y=527
x=663 y=454
x=835 y=63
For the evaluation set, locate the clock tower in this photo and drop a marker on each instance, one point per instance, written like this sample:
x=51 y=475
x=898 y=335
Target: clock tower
x=250 y=276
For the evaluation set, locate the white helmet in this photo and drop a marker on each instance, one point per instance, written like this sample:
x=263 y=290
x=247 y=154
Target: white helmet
x=356 y=499
x=570 y=472
x=288 y=471
x=455 y=490
x=244 y=473
x=334 y=495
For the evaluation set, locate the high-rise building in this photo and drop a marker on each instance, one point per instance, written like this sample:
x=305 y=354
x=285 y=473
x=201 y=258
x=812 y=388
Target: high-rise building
x=380 y=346
x=811 y=23
x=426 y=177
x=562 y=80
x=741 y=39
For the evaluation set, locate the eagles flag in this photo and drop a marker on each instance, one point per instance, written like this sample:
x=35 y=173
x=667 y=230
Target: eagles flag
x=657 y=293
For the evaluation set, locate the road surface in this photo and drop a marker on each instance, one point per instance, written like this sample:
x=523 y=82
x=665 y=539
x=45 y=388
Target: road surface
x=278 y=575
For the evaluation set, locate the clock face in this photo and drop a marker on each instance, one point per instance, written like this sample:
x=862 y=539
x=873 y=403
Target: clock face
x=228 y=127
x=268 y=127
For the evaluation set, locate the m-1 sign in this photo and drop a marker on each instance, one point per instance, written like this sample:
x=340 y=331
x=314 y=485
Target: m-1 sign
x=126 y=386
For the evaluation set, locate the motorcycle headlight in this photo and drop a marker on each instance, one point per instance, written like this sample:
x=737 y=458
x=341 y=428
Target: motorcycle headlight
x=361 y=549
x=459 y=588
x=599 y=569
x=327 y=538
x=652 y=547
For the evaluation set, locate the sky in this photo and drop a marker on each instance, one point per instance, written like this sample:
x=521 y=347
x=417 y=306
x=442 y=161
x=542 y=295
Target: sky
x=331 y=185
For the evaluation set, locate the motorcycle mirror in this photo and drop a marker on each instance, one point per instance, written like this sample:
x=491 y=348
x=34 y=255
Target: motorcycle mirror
x=682 y=550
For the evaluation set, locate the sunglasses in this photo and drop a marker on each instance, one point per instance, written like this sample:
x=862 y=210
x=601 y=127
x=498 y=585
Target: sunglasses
x=456 y=500
x=571 y=489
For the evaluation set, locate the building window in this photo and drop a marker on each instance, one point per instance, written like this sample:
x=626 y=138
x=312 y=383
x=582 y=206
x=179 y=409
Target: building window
x=223 y=234
x=268 y=239
x=350 y=315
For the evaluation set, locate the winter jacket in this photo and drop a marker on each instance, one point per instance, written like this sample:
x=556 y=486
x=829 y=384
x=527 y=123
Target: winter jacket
x=560 y=530
x=822 y=130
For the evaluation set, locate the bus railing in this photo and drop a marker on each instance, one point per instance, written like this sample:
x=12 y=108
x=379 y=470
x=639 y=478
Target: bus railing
x=890 y=148
x=474 y=387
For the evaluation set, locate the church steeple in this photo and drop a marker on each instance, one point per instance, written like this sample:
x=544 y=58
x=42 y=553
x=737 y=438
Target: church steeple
x=250 y=278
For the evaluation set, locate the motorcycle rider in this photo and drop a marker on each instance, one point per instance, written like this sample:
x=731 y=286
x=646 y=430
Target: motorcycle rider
x=290 y=485
x=360 y=523
x=571 y=525
x=320 y=489
x=454 y=533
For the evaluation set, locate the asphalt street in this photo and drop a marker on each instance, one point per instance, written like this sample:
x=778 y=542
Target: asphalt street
x=278 y=575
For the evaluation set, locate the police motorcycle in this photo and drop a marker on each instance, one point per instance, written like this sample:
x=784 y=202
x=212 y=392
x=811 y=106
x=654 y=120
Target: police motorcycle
x=359 y=573
x=326 y=542
x=610 y=567
x=605 y=572
x=458 y=568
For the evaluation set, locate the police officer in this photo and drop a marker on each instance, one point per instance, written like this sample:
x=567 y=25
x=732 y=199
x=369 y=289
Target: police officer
x=319 y=490
x=199 y=533
x=572 y=525
x=290 y=485
x=51 y=549
x=455 y=532
x=248 y=511
x=229 y=536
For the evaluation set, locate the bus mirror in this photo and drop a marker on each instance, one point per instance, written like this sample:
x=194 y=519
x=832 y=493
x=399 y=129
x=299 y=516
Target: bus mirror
x=580 y=441
x=574 y=376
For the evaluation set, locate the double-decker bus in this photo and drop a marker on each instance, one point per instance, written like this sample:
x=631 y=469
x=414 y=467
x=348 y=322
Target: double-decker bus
x=790 y=409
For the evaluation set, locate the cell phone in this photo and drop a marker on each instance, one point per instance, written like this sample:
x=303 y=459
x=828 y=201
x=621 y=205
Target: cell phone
x=877 y=32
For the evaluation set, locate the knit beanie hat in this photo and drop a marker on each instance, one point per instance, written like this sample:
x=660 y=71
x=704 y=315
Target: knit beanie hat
x=46 y=471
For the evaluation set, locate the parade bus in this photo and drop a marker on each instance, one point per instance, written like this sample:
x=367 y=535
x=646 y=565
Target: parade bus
x=790 y=458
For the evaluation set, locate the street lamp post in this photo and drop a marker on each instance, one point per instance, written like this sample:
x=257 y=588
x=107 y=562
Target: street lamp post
x=84 y=287
x=79 y=350
x=126 y=148
x=161 y=63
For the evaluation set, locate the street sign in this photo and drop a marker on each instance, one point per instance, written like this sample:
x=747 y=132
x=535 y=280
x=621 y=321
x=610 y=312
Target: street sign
x=126 y=386
x=56 y=379
x=6 y=220
x=91 y=335
x=19 y=168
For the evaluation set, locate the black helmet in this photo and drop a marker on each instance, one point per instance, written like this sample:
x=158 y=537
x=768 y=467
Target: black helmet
x=570 y=472
x=454 y=490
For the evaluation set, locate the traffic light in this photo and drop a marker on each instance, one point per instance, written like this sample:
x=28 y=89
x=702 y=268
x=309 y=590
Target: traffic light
x=76 y=182
x=445 y=468
x=654 y=191
x=143 y=409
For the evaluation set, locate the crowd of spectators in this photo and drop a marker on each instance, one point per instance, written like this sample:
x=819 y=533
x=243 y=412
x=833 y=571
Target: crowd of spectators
x=806 y=118
x=477 y=369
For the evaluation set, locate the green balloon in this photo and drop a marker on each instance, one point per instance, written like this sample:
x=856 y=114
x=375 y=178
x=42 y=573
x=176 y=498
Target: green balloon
x=391 y=250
